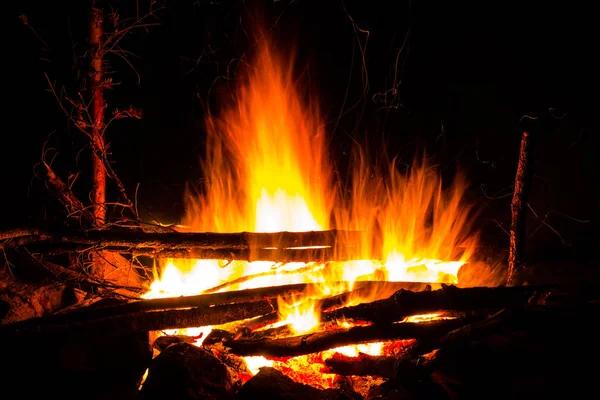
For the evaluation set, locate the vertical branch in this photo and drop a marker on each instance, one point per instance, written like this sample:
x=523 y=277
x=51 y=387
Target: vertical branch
x=98 y=143
x=516 y=257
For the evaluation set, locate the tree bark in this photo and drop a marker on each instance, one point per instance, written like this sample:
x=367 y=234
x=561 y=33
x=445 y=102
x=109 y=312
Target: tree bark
x=97 y=104
x=516 y=256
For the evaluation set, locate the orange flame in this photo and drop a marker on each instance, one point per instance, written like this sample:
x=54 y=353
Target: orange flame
x=266 y=169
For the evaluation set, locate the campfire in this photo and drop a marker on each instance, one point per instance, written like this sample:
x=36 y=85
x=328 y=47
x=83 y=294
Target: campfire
x=267 y=170
x=285 y=276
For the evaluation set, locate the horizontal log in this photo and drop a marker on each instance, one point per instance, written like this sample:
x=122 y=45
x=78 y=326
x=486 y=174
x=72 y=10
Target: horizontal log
x=183 y=313
x=405 y=303
x=270 y=293
x=249 y=246
x=140 y=309
x=142 y=322
x=320 y=341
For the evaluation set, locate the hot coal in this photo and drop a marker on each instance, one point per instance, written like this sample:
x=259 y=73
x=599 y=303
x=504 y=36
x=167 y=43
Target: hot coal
x=273 y=384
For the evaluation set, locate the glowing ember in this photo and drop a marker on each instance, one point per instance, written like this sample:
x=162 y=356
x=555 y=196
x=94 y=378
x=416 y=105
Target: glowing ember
x=426 y=317
x=266 y=170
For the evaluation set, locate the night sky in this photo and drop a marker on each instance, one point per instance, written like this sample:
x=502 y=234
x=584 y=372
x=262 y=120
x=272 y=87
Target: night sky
x=452 y=77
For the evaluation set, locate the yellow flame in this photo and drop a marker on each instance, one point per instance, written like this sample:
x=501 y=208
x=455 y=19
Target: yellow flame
x=266 y=169
x=255 y=363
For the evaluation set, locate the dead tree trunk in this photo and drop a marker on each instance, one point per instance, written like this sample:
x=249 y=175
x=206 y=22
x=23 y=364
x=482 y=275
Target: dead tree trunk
x=516 y=262
x=97 y=75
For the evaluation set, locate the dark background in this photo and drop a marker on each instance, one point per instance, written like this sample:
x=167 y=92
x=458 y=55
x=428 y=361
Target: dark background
x=458 y=87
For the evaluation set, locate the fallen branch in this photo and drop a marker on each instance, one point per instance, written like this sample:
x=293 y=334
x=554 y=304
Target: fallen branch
x=320 y=341
x=249 y=246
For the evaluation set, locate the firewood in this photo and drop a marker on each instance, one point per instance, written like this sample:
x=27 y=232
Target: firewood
x=183 y=313
x=140 y=322
x=232 y=297
x=143 y=315
x=405 y=303
x=249 y=246
x=319 y=341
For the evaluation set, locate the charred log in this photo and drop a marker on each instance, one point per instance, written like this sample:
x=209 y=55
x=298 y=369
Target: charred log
x=319 y=341
x=405 y=303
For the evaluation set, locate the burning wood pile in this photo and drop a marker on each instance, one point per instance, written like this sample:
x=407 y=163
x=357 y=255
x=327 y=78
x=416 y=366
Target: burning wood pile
x=381 y=307
x=410 y=341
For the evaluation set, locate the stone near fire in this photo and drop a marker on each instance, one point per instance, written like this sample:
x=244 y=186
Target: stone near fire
x=274 y=385
x=184 y=371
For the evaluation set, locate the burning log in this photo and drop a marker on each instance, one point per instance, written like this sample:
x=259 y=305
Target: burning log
x=320 y=341
x=248 y=246
x=248 y=296
x=222 y=308
x=405 y=303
